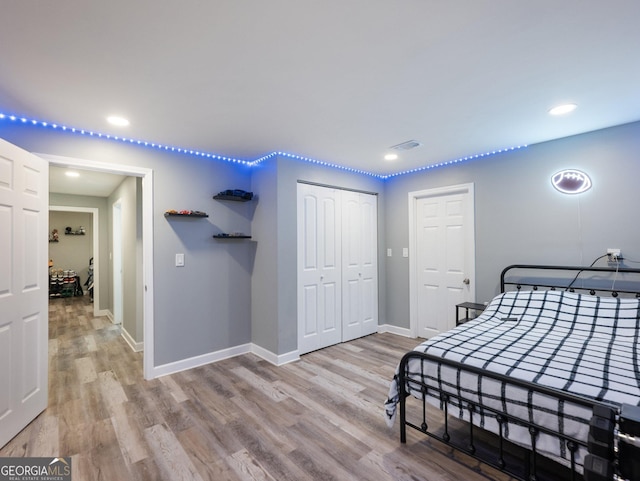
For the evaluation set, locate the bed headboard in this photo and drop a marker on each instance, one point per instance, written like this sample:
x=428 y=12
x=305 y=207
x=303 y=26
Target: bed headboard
x=612 y=281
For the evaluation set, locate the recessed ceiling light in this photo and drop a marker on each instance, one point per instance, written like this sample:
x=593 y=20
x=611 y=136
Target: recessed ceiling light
x=562 y=109
x=72 y=173
x=391 y=157
x=117 y=120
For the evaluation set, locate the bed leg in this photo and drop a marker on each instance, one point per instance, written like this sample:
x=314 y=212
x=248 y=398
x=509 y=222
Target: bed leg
x=446 y=436
x=424 y=425
x=534 y=454
x=402 y=397
x=572 y=447
x=501 y=461
x=472 y=447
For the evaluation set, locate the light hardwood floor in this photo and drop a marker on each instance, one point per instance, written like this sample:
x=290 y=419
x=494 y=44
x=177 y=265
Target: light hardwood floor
x=320 y=418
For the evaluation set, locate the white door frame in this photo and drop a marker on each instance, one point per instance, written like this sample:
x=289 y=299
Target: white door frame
x=413 y=279
x=116 y=262
x=147 y=239
x=96 y=249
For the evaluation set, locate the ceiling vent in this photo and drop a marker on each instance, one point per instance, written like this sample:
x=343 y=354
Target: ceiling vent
x=408 y=145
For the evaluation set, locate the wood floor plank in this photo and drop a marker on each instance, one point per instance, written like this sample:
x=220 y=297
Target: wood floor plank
x=45 y=440
x=90 y=342
x=105 y=456
x=130 y=435
x=266 y=386
x=168 y=452
x=258 y=444
x=85 y=370
x=206 y=455
x=176 y=391
x=111 y=389
x=247 y=468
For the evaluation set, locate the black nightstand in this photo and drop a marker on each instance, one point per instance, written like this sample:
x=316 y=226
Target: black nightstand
x=467 y=306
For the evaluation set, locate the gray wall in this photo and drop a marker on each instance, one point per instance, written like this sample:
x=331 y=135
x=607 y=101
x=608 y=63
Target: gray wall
x=264 y=288
x=131 y=267
x=275 y=303
x=100 y=203
x=72 y=251
x=520 y=218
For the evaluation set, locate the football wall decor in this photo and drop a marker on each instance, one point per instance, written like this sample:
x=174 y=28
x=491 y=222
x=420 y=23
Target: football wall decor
x=571 y=181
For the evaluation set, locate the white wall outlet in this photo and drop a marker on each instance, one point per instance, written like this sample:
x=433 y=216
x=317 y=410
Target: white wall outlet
x=405 y=252
x=179 y=260
x=389 y=252
x=613 y=252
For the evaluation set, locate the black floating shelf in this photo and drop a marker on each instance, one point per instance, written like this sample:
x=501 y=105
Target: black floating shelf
x=177 y=214
x=234 y=198
x=231 y=236
x=74 y=233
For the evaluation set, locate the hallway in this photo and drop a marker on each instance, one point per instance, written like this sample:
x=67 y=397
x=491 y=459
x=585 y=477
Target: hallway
x=89 y=367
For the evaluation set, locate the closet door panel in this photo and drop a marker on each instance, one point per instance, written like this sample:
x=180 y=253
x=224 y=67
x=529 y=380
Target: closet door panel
x=319 y=254
x=337 y=266
x=360 y=267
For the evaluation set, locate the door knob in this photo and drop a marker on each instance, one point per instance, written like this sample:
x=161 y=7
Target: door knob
x=466 y=281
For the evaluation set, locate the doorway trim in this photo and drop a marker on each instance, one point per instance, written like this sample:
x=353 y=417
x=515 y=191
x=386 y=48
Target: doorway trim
x=147 y=240
x=116 y=261
x=413 y=279
x=96 y=249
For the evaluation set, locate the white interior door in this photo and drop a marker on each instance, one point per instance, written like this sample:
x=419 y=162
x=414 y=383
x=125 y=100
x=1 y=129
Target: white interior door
x=442 y=257
x=359 y=265
x=319 y=273
x=24 y=217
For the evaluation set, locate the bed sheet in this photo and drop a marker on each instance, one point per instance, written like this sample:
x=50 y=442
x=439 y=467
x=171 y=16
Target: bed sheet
x=581 y=344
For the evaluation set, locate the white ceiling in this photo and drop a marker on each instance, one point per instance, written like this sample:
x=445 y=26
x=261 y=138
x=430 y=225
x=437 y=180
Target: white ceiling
x=88 y=182
x=335 y=81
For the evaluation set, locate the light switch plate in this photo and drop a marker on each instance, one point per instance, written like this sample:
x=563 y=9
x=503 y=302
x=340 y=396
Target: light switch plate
x=405 y=252
x=389 y=252
x=179 y=260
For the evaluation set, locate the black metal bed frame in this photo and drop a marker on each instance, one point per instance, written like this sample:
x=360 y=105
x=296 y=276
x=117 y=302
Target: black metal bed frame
x=596 y=285
x=472 y=406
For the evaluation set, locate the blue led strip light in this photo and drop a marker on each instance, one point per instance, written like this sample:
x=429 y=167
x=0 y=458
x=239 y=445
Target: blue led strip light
x=324 y=164
x=90 y=133
x=251 y=163
x=451 y=162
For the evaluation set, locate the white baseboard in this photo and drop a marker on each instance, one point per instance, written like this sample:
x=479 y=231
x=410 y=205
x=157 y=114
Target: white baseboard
x=400 y=331
x=201 y=360
x=211 y=357
x=108 y=314
x=276 y=359
x=135 y=346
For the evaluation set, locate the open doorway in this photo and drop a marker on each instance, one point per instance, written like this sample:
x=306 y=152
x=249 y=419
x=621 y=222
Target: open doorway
x=75 y=251
x=143 y=178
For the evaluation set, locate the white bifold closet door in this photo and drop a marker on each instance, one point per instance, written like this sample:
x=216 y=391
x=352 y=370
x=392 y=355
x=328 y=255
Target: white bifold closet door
x=337 y=266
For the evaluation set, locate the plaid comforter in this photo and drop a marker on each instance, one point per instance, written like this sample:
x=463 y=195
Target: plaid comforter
x=581 y=344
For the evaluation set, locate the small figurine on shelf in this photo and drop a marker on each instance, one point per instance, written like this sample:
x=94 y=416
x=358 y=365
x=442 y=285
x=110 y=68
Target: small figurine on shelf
x=54 y=235
x=81 y=230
